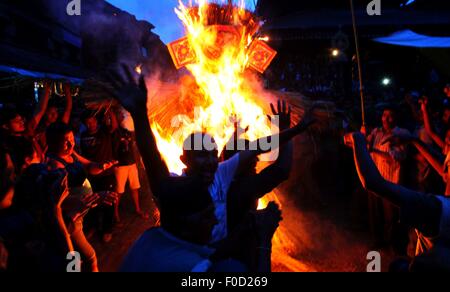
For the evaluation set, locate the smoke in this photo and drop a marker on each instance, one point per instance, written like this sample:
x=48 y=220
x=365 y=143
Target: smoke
x=324 y=226
x=315 y=243
x=111 y=35
x=324 y=218
x=317 y=232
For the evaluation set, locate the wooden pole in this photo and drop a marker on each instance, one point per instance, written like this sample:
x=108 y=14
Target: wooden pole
x=358 y=60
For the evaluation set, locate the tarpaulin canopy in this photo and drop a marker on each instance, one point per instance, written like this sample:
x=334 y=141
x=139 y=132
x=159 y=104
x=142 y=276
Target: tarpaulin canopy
x=38 y=75
x=409 y=38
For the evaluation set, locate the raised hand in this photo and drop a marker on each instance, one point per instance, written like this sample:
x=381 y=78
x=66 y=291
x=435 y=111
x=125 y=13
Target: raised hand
x=129 y=88
x=283 y=111
x=67 y=89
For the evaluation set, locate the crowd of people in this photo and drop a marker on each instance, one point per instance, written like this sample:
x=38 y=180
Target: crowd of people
x=60 y=182
x=61 y=185
x=209 y=219
x=401 y=169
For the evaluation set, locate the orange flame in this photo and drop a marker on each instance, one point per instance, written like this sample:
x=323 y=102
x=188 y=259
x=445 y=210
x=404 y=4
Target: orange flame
x=220 y=90
x=223 y=92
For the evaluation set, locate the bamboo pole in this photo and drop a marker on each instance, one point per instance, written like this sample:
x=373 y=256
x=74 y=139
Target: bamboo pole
x=358 y=60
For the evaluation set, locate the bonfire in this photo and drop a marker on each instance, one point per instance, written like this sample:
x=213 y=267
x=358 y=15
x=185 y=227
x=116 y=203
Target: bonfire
x=224 y=55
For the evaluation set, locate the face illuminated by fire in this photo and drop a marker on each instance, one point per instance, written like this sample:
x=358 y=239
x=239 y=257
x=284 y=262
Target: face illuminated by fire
x=388 y=120
x=67 y=144
x=200 y=155
x=16 y=125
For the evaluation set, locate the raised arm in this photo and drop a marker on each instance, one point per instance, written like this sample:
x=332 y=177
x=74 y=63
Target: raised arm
x=69 y=104
x=268 y=179
x=273 y=175
x=429 y=126
x=283 y=164
x=437 y=161
x=41 y=108
x=268 y=144
x=130 y=90
x=155 y=165
x=435 y=158
x=371 y=178
x=425 y=209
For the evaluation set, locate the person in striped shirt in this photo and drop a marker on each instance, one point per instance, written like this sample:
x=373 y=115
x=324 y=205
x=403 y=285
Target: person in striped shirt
x=388 y=158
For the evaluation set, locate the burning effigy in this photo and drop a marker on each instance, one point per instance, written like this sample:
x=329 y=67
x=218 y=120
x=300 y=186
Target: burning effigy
x=223 y=54
x=67 y=82
x=218 y=50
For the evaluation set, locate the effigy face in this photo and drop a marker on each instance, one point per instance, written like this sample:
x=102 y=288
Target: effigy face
x=214 y=41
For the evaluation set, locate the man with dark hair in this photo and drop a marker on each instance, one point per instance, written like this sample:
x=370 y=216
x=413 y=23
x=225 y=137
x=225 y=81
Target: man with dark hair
x=187 y=221
x=97 y=146
x=250 y=186
x=388 y=158
x=200 y=153
x=429 y=214
x=180 y=244
x=19 y=133
x=47 y=113
x=62 y=156
x=15 y=139
x=126 y=170
x=96 y=141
